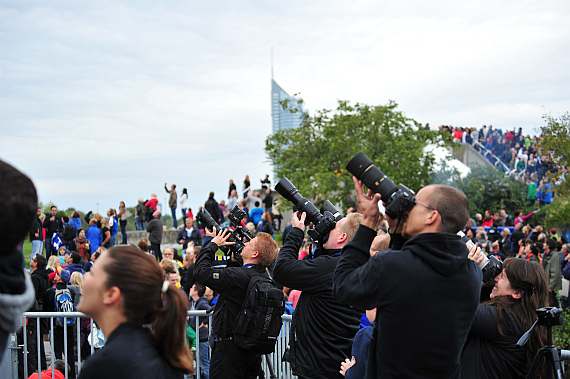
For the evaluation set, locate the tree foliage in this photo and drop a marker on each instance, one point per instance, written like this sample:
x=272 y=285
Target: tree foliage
x=556 y=139
x=488 y=188
x=314 y=155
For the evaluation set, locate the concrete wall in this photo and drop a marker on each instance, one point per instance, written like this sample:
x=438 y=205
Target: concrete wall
x=469 y=156
x=168 y=237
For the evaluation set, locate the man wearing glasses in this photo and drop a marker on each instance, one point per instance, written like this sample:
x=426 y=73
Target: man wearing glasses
x=426 y=289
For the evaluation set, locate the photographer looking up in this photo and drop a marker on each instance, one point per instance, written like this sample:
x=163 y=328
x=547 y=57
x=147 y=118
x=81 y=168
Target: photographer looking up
x=426 y=293
x=228 y=360
x=323 y=328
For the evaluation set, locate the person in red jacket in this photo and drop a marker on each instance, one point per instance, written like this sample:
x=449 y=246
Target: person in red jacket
x=58 y=369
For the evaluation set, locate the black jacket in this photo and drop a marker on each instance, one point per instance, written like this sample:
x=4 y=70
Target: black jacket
x=230 y=282
x=37 y=228
x=154 y=228
x=49 y=303
x=40 y=279
x=52 y=227
x=195 y=236
x=426 y=296
x=489 y=354
x=323 y=328
x=201 y=304
x=213 y=209
x=118 y=359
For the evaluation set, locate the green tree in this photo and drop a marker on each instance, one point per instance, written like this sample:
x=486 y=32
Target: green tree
x=489 y=188
x=556 y=138
x=314 y=155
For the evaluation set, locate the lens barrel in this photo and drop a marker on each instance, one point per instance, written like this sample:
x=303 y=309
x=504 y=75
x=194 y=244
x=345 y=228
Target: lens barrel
x=364 y=170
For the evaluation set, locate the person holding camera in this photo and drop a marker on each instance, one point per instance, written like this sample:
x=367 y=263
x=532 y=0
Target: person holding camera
x=228 y=360
x=491 y=350
x=426 y=291
x=323 y=328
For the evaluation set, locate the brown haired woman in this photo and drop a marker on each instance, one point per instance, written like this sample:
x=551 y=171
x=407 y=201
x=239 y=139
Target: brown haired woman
x=124 y=293
x=490 y=350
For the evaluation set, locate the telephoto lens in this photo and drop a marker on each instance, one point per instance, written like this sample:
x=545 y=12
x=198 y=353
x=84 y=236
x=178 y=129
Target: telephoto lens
x=364 y=169
x=289 y=192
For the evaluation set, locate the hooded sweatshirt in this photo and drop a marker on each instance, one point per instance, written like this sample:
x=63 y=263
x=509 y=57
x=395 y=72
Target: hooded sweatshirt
x=427 y=294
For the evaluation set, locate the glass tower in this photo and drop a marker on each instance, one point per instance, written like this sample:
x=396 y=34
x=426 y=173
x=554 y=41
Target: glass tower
x=283 y=118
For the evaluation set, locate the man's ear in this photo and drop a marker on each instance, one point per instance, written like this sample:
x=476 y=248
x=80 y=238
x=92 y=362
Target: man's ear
x=342 y=237
x=112 y=295
x=255 y=254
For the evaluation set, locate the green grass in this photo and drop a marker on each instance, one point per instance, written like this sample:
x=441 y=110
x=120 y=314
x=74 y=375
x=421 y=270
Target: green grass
x=27 y=252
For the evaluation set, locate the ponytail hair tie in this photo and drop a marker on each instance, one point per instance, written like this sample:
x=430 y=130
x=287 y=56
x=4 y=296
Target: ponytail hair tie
x=165 y=286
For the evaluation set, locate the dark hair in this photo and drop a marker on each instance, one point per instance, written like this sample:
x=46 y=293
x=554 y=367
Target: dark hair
x=140 y=280
x=75 y=214
x=452 y=205
x=551 y=244
x=529 y=279
x=41 y=261
x=59 y=365
x=76 y=258
x=200 y=289
x=65 y=218
x=184 y=190
x=79 y=230
x=52 y=207
x=211 y=194
x=20 y=201
x=143 y=246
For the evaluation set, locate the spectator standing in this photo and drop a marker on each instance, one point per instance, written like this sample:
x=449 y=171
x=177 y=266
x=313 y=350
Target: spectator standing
x=268 y=200
x=123 y=216
x=40 y=280
x=154 y=228
x=81 y=245
x=213 y=207
x=232 y=188
x=395 y=282
x=106 y=233
x=545 y=192
x=246 y=186
x=52 y=224
x=113 y=226
x=199 y=302
x=233 y=200
x=75 y=220
x=37 y=236
x=189 y=234
x=323 y=326
x=140 y=214
x=184 y=203
x=551 y=265
x=94 y=235
x=152 y=203
x=265 y=183
x=172 y=202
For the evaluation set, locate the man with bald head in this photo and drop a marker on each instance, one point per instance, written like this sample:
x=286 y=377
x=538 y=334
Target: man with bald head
x=426 y=291
x=154 y=228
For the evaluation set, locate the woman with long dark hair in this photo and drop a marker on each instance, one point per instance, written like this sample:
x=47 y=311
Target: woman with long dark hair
x=491 y=351
x=184 y=203
x=142 y=317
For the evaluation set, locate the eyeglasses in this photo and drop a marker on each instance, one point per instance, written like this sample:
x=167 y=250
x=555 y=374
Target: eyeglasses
x=431 y=209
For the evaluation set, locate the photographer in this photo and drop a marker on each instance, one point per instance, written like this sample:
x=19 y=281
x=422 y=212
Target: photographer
x=490 y=350
x=227 y=360
x=323 y=328
x=426 y=293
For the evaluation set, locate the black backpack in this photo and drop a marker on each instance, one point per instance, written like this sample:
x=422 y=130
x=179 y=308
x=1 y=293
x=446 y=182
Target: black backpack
x=68 y=234
x=258 y=323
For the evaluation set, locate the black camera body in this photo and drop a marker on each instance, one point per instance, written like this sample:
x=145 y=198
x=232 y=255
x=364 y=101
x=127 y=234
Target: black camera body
x=324 y=221
x=239 y=235
x=549 y=316
x=398 y=199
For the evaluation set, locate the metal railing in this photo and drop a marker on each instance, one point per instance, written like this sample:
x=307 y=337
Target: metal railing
x=9 y=368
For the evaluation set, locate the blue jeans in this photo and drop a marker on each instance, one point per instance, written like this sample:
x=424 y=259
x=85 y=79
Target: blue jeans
x=174 y=220
x=204 y=360
x=139 y=224
x=37 y=246
x=113 y=240
x=184 y=213
x=124 y=233
x=49 y=248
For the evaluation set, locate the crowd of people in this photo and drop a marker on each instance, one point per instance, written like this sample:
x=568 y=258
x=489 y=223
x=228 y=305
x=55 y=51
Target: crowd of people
x=517 y=154
x=371 y=299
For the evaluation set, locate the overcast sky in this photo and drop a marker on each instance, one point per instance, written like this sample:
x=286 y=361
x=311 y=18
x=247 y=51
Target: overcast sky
x=105 y=101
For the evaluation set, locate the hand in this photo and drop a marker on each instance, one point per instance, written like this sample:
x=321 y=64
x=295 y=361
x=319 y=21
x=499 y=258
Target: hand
x=346 y=365
x=52 y=218
x=181 y=242
x=299 y=223
x=221 y=239
x=367 y=204
x=37 y=234
x=475 y=254
x=212 y=233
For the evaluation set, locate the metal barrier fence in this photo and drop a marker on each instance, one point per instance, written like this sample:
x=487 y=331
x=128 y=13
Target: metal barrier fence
x=23 y=354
